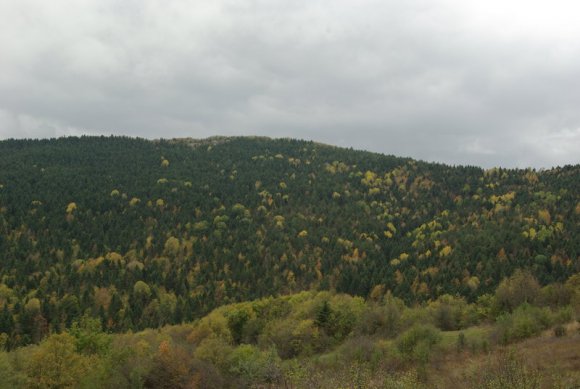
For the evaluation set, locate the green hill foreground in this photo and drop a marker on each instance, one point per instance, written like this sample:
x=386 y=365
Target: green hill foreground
x=328 y=340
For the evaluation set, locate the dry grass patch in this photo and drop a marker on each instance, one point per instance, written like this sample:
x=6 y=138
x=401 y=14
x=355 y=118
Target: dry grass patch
x=555 y=361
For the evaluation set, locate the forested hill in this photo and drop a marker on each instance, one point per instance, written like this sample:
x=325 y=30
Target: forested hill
x=143 y=233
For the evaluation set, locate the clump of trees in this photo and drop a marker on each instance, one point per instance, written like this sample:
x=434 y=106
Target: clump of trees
x=308 y=339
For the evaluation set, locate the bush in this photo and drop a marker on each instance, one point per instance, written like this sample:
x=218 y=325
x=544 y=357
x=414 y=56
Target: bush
x=293 y=338
x=55 y=363
x=215 y=324
x=361 y=349
x=248 y=362
x=338 y=317
x=170 y=368
x=380 y=320
x=9 y=376
x=236 y=321
x=452 y=313
x=417 y=342
x=555 y=295
x=563 y=315
x=89 y=335
x=559 y=331
x=213 y=350
x=522 y=287
x=524 y=322
x=205 y=376
x=412 y=316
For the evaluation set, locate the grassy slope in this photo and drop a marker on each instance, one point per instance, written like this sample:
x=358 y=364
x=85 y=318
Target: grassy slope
x=556 y=359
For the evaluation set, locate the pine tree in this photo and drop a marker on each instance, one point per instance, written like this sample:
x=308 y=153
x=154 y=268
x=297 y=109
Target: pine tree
x=6 y=321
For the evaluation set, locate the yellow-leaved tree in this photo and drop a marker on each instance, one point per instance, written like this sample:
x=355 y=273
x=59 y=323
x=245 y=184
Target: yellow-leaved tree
x=172 y=246
x=56 y=364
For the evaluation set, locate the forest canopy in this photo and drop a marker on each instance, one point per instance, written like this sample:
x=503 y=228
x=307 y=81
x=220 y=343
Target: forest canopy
x=141 y=233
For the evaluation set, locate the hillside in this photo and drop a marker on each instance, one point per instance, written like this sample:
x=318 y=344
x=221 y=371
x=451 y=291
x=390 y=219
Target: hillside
x=326 y=340
x=146 y=233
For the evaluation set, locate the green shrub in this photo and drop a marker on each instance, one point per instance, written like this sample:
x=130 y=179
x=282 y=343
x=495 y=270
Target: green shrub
x=563 y=315
x=452 y=313
x=248 y=362
x=89 y=335
x=339 y=316
x=237 y=319
x=521 y=288
x=417 y=342
x=381 y=320
x=213 y=350
x=9 y=376
x=293 y=338
x=361 y=349
x=417 y=315
x=524 y=322
x=555 y=295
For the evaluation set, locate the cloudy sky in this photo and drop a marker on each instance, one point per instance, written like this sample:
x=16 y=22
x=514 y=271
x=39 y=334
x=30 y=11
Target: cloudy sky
x=463 y=82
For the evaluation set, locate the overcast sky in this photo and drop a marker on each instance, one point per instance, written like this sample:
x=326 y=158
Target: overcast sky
x=463 y=82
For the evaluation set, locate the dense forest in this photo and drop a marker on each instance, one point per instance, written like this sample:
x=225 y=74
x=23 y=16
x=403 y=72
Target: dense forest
x=140 y=234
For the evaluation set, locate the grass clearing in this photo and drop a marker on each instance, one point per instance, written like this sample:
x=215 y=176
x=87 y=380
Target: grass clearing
x=472 y=336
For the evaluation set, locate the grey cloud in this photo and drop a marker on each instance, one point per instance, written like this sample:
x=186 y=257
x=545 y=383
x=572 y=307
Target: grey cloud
x=418 y=78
